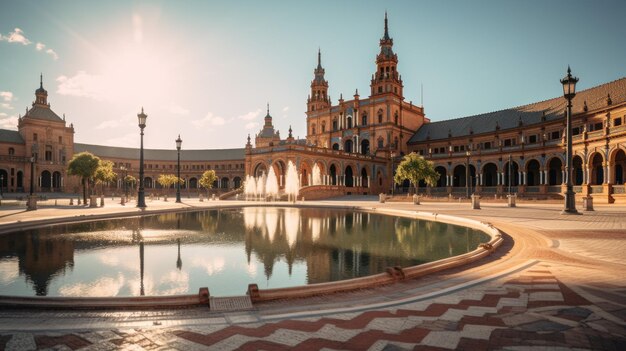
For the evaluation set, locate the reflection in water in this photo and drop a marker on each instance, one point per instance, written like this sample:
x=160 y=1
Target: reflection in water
x=224 y=250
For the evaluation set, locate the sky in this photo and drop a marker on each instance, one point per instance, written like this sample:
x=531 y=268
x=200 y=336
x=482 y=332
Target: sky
x=207 y=69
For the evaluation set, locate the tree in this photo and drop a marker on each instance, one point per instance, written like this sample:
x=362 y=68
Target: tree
x=104 y=174
x=415 y=168
x=167 y=180
x=84 y=165
x=207 y=180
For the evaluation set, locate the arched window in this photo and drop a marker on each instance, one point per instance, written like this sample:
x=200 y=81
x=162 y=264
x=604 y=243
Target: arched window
x=334 y=124
x=380 y=143
x=313 y=129
x=395 y=118
x=364 y=119
x=349 y=122
x=11 y=151
x=323 y=126
x=335 y=146
x=380 y=116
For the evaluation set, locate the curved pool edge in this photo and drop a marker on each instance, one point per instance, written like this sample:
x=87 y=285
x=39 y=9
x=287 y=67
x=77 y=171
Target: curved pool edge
x=392 y=274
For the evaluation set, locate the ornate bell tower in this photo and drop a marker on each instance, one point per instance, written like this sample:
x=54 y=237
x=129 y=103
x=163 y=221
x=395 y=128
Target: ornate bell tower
x=318 y=99
x=386 y=79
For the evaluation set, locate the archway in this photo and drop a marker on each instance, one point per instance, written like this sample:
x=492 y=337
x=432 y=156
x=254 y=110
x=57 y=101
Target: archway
x=236 y=182
x=441 y=182
x=333 y=175
x=577 y=170
x=364 y=182
x=335 y=146
x=193 y=183
x=514 y=176
x=620 y=165
x=46 y=181
x=20 y=181
x=56 y=180
x=597 y=171
x=259 y=170
x=458 y=174
x=490 y=174
x=555 y=167
x=224 y=183
x=365 y=147
x=349 y=177
x=532 y=173
x=147 y=182
x=347 y=146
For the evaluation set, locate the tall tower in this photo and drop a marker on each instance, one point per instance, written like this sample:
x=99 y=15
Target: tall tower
x=318 y=99
x=41 y=95
x=386 y=79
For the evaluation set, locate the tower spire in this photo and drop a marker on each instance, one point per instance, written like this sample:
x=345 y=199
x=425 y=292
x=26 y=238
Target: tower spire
x=386 y=36
x=268 y=108
x=41 y=80
x=319 y=58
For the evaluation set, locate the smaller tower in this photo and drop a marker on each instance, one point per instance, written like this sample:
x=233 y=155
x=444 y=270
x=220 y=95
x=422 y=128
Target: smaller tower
x=268 y=136
x=386 y=79
x=319 y=88
x=41 y=95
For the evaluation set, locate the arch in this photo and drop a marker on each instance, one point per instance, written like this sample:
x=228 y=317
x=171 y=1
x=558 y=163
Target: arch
x=193 y=183
x=577 y=170
x=533 y=177
x=347 y=146
x=380 y=115
x=395 y=118
x=259 y=169
x=365 y=147
x=619 y=162
x=336 y=146
x=333 y=174
x=364 y=182
x=348 y=177
x=224 y=182
x=597 y=168
x=56 y=180
x=364 y=119
x=280 y=169
x=381 y=142
x=236 y=183
x=490 y=174
x=46 y=180
x=349 y=122
x=441 y=182
x=313 y=129
x=514 y=177
x=335 y=127
x=20 y=181
x=323 y=126
x=305 y=172
x=555 y=168
x=4 y=176
x=459 y=173
x=147 y=182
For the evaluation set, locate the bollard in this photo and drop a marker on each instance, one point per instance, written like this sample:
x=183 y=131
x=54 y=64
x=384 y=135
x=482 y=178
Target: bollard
x=511 y=200
x=381 y=198
x=587 y=203
x=102 y=201
x=416 y=199
x=71 y=201
x=475 y=202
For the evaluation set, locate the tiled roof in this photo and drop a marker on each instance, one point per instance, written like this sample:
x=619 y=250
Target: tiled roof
x=554 y=109
x=11 y=136
x=161 y=155
x=45 y=113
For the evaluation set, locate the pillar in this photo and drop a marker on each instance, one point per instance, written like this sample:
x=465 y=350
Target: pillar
x=607 y=177
x=563 y=176
x=523 y=179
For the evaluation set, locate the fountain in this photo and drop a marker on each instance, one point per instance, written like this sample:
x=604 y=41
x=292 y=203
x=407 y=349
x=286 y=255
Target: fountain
x=317 y=175
x=250 y=187
x=271 y=185
x=260 y=186
x=292 y=183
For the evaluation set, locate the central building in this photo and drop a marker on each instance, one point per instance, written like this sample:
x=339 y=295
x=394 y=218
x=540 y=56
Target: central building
x=352 y=142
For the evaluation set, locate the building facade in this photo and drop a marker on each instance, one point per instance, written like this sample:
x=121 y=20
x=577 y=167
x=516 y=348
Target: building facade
x=356 y=144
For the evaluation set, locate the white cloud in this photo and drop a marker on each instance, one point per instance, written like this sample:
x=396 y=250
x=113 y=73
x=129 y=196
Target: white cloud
x=252 y=125
x=108 y=124
x=8 y=122
x=53 y=54
x=81 y=84
x=209 y=120
x=286 y=108
x=6 y=95
x=40 y=46
x=178 y=110
x=251 y=115
x=17 y=36
x=6 y=106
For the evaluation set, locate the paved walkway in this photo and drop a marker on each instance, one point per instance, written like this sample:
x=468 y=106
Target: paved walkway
x=557 y=283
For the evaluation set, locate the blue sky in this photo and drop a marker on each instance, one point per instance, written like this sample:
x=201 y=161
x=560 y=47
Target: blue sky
x=206 y=69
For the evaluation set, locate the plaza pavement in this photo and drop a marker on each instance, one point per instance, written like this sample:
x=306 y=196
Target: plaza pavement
x=557 y=283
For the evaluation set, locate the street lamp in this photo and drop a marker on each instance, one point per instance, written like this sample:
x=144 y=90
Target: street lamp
x=467 y=174
x=569 y=91
x=393 y=182
x=141 y=199
x=179 y=142
x=510 y=160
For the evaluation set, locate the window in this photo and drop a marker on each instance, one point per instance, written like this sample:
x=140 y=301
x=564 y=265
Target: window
x=349 y=122
x=380 y=89
x=364 y=119
x=395 y=118
x=334 y=124
x=532 y=139
x=617 y=122
x=555 y=135
x=324 y=127
x=11 y=151
x=380 y=143
x=34 y=136
x=60 y=140
x=48 y=154
x=576 y=131
x=380 y=116
x=313 y=132
x=487 y=145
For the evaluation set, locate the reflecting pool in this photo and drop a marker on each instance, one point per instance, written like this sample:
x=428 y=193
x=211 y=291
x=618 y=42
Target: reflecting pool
x=224 y=250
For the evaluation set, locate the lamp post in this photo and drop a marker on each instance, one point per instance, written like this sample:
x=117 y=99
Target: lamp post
x=510 y=175
x=141 y=199
x=569 y=91
x=467 y=174
x=179 y=142
x=393 y=182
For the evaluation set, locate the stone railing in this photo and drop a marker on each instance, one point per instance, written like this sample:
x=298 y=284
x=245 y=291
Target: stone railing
x=619 y=189
x=577 y=189
x=554 y=189
x=596 y=189
x=532 y=189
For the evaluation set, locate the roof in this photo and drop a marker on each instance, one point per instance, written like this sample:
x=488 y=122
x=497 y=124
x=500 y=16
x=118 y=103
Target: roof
x=43 y=112
x=11 y=136
x=595 y=98
x=161 y=155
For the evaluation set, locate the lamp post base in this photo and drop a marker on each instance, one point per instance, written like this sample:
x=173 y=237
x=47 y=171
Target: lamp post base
x=31 y=203
x=570 y=203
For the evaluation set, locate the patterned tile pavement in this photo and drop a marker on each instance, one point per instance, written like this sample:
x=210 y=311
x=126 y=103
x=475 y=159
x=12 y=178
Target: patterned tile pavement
x=568 y=295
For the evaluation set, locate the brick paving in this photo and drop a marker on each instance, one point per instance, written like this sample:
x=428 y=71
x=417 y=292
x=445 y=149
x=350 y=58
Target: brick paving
x=557 y=284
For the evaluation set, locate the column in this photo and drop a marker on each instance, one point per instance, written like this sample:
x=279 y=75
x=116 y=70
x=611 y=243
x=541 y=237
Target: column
x=480 y=179
x=524 y=181
x=519 y=178
x=368 y=181
x=545 y=177
x=498 y=174
x=563 y=176
x=608 y=175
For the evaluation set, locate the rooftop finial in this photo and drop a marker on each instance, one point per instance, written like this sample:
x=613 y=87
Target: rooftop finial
x=386 y=27
x=41 y=80
x=268 y=108
x=319 y=56
x=569 y=71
